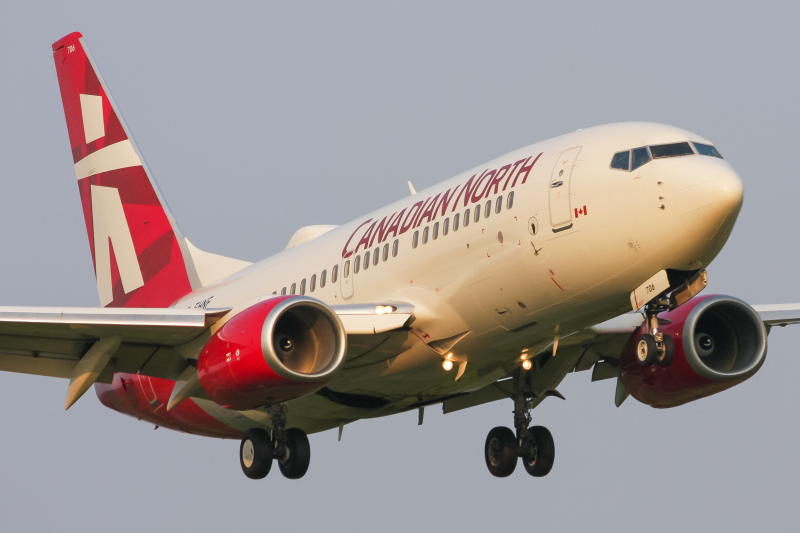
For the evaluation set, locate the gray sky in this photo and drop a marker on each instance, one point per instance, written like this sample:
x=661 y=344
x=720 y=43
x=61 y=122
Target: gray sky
x=259 y=118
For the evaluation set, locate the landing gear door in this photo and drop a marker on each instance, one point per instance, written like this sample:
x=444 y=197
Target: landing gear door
x=560 y=205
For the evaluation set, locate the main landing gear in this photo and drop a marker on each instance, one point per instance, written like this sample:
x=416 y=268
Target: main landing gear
x=654 y=347
x=289 y=447
x=533 y=445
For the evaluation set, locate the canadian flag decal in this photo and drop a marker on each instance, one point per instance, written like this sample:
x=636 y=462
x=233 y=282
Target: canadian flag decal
x=580 y=211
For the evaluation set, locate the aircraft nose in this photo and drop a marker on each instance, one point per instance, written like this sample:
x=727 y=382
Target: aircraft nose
x=708 y=209
x=728 y=190
x=710 y=192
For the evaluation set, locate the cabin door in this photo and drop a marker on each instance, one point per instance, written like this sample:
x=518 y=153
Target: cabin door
x=560 y=204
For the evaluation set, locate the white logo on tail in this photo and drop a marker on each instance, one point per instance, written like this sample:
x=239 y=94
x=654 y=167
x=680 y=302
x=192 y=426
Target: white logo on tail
x=110 y=224
x=92 y=114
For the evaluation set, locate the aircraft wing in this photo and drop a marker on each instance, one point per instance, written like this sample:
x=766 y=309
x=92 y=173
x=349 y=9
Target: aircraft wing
x=50 y=341
x=779 y=314
x=597 y=348
x=91 y=344
x=372 y=318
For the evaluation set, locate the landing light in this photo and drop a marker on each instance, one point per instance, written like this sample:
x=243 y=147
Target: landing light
x=526 y=364
x=447 y=364
x=385 y=309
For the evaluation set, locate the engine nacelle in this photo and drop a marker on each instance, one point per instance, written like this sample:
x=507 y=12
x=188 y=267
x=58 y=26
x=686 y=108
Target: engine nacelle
x=720 y=341
x=276 y=350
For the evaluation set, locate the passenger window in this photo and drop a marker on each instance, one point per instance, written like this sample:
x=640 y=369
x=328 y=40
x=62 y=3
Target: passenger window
x=498 y=205
x=707 y=149
x=335 y=273
x=293 y=290
x=488 y=210
x=466 y=218
x=641 y=156
x=671 y=150
x=510 y=200
x=347 y=269
x=446 y=226
x=455 y=221
x=435 y=231
x=313 y=283
x=366 y=261
x=386 y=251
x=477 y=214
x=425 y=235
x=303 y=287
x=322 y=278
x=415 y=239
x=376 y=255
x=283 y=291
x=621 y=160
x=395 y=246
x=357 y=266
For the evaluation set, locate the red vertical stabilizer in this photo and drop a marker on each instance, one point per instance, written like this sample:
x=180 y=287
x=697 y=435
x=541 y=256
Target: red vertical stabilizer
x=136 y=246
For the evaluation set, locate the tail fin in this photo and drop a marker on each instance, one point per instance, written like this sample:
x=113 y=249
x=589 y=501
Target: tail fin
x=140 y=257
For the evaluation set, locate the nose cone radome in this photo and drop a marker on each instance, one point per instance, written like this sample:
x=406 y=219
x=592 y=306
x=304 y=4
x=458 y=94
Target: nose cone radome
x=728 y=191
x=708 y=211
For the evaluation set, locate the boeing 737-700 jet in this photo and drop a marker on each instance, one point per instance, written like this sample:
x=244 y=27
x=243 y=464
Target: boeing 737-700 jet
x=585 y=252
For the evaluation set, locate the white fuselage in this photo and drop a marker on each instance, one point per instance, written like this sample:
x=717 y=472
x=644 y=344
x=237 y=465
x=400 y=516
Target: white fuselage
x=566 y=254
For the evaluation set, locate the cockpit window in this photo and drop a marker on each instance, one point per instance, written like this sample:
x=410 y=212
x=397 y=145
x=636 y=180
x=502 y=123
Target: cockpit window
x=632 y=159
x=707 y=149
x=621 y=160
x=671 y=150
x=640 y=157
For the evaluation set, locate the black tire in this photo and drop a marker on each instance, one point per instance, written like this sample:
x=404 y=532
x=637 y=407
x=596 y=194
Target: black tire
x=538 y=459
x=255 y=453
x=646 y=350
x=298 y=454
x=666 y=358
x=500 y=452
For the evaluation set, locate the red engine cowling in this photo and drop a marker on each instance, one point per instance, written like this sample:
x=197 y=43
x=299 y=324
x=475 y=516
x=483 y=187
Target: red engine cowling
x=720 y=341
x=279 y=349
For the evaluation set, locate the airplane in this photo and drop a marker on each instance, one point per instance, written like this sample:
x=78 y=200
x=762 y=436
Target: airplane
x=584 y=252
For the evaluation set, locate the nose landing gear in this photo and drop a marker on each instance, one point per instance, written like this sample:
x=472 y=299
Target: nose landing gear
x=654 y=347
x=678 y=288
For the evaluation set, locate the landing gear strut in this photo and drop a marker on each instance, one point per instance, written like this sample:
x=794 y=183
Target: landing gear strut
x=533 y=445
x=679 y=288
x=289 y=447
x=654 y=347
